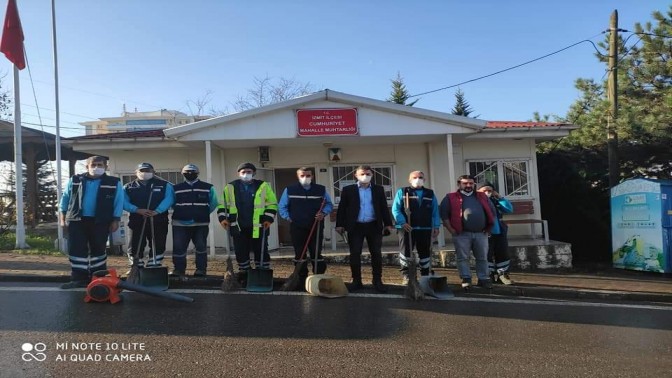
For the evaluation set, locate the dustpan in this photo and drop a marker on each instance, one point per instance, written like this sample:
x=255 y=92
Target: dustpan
x=154 y=276
x=436 y=286
x=260 y=279
x=326 y=285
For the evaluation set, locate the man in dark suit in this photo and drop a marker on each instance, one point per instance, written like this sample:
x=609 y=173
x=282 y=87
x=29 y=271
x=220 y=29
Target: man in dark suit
x=363 y=213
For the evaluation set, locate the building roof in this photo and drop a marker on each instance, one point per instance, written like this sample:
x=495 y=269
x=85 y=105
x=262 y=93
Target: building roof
x=43 y=142
x=331 y=96
x=156 y=133
x=518 y=124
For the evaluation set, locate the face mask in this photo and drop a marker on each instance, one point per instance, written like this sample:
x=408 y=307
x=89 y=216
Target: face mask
x=247 y=177
x=305 y=181
x=190 y=176
x=489 y=194
x=416 y=183
x=364 y=179
x=96 y=171
x=144 y=176
x=467 y=193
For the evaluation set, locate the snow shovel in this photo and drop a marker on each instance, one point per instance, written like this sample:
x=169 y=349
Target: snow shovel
x=154 y=276
x=433 y=285
x=324 y=285
x=260 y=280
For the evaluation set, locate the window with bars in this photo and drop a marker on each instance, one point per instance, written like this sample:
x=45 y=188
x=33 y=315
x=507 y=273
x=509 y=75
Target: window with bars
x=510 y=177
x=343 y=175
x=170 y=176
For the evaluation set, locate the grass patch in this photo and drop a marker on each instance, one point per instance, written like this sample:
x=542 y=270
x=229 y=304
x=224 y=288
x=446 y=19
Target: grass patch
x=39 y=244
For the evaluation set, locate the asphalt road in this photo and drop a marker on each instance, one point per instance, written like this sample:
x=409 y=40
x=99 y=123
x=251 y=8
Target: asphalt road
x=297 y=335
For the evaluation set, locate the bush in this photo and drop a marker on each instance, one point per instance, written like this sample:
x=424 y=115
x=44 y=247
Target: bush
x=37 y=243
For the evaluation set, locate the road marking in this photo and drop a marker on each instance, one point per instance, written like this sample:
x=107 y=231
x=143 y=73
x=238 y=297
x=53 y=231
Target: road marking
x=548 y=302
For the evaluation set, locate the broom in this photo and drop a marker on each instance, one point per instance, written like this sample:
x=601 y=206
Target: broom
x=134 y=274
x=229 y=283
x=413 y=290
x=293 y=281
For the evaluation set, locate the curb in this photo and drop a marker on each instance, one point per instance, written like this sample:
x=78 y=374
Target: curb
x=520 y=290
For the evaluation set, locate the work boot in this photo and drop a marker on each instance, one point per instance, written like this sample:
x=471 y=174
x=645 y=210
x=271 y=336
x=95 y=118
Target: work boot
x=356 y=284
x=74 y=285
x=466 y=283
x=200 y=273
x=493 y=277
x=487 y=284
x=379 y=286
x=176 y=273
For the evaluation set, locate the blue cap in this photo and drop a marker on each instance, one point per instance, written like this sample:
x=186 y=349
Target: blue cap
x=145 y=166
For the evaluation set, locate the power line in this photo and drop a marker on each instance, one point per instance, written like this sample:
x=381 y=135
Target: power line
x=516 y=66
x=649 y=34
x=53 y=110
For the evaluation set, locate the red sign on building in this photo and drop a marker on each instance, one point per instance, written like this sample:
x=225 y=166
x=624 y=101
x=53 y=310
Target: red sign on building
x=326 y=122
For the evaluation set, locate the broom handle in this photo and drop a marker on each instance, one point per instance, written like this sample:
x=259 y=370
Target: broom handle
x=144 y=223
x=263 y=243
x=317 y=246
x=407 y=212
x=228 y=230
x=312 y=229
x=151 y=226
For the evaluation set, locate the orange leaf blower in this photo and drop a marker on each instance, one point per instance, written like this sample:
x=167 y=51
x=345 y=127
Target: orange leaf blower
x=106 y=286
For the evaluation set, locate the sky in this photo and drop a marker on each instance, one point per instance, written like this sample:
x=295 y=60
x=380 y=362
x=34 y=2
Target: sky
x=154 y=54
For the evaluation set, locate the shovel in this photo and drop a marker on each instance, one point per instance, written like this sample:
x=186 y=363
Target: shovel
x=433 y=285
x=260 y=280
x=153 y=276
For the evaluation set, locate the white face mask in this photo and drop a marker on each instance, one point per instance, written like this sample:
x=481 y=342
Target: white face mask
x=489 y=194
x=145 y=175
x=364 y=179
x=305 y=181
x=247 y=177
x=96 y=171
x=418 y=182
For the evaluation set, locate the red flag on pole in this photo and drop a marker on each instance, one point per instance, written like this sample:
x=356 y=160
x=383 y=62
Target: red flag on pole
x=12 y=36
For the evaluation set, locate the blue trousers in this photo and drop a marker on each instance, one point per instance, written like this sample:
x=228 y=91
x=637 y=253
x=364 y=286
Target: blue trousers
x=476 y=242
x=182 y=235
x=87 y=241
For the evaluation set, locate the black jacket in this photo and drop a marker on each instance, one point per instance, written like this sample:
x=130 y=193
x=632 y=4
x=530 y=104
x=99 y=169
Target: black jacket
x=348 y=207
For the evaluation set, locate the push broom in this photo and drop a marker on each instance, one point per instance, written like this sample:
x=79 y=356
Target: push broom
x=293 y=281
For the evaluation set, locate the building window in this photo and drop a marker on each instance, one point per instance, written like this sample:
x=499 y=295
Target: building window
x=170 y=176
x=343 y=175
x=511 y=177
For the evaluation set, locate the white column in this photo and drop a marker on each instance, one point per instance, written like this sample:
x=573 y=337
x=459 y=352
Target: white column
x=222 y=167
x=208 y=178
x=18 y=166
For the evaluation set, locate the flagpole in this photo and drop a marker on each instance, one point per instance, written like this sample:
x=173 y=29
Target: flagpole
x=18 y=164
x=58 y=128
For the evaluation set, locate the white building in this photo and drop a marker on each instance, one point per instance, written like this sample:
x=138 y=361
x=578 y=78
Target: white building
x=139 y=121
x=334 y=132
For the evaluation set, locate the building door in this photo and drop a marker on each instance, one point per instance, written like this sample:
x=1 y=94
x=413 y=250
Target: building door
x=283 y=178
x=267 y=175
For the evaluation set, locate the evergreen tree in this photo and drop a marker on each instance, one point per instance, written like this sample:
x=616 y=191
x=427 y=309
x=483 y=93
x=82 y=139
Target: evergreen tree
x=573 y=172
x=399 y=94
x=462 y=107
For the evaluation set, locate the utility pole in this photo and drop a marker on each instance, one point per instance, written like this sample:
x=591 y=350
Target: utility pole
x=612 y=94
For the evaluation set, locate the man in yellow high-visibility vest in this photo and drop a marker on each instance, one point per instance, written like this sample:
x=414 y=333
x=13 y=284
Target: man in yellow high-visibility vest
x=248 y=205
